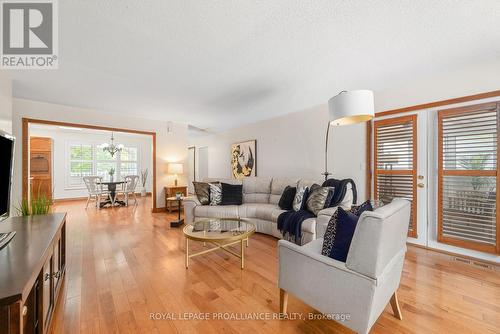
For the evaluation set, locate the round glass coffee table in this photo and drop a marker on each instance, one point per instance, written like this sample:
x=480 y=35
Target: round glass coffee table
x=220 y=232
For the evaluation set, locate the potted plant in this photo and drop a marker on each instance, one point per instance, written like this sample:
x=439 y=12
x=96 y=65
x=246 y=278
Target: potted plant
x=111 y=173
x=38 y=205
x=144 y=178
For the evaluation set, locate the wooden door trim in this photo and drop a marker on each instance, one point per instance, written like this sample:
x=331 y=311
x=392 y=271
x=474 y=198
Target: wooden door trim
x=25 y=146
x=455 y=241
x=441 y=103
x=413 y=172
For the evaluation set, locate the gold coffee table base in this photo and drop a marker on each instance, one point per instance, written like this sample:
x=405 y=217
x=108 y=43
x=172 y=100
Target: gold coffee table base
x=220 y=232
x=241 y=256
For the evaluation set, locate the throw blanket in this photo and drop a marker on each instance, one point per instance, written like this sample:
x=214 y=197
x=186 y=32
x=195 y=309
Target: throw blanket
x=340 y=190
x=290 y=224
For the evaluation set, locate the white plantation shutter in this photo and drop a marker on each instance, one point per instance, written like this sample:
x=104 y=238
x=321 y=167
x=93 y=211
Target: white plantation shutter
x=395 y=162
x=467 y=197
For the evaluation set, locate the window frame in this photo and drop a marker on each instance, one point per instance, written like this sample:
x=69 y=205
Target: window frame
x=68 y=161
x=95 y=146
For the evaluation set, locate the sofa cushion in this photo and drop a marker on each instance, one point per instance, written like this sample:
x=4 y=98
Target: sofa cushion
x=278 y=185
x=218 y=211
x=269 y=212
x=231 y=194
x=256 y=189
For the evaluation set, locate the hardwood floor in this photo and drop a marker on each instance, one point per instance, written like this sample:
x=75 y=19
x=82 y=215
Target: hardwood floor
x=125 y=263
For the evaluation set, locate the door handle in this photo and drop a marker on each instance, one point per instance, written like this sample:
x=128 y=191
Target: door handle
x=420 y=185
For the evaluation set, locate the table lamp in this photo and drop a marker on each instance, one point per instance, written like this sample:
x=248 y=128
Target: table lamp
x=345 y=108
x=175 y=169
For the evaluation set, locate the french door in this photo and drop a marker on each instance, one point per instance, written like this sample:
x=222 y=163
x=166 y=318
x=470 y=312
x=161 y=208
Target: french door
x=457 y=210
x=468 y=177
x=395 y=161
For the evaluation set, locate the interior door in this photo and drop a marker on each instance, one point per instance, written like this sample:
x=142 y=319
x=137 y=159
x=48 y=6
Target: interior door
x=400 y=167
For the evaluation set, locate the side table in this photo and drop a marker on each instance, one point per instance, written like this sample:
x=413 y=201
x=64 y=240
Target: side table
x=179 y=221
x=170 y=192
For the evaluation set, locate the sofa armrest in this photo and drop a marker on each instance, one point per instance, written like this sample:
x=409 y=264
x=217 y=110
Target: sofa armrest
x=323 y=219
x=190 y=203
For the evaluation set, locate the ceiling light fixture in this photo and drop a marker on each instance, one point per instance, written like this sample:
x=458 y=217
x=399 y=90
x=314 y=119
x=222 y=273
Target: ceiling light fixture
x=111 y=147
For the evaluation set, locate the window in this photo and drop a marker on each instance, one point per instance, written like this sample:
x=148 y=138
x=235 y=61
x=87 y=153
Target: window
x=105 y=162
x=128 y=162
x=90 y=159
x=395 y=162
x=80 y=163
x=467 y=161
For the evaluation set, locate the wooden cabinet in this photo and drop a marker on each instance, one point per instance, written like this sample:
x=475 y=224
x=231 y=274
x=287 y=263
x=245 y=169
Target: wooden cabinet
x=47 y=290
x=41 y=166
x=39 y=274
x=170 y=192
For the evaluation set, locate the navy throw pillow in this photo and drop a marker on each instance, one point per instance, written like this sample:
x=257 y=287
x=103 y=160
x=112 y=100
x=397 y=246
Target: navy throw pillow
x=346 y=225
x=232 y=194
x=340 y=230
x=286 y=199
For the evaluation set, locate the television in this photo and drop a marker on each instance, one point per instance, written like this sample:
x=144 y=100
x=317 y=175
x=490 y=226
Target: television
x=6 y=166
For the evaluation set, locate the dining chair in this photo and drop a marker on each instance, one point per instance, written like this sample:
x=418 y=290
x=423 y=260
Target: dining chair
x=95 y=190
x=129 y=186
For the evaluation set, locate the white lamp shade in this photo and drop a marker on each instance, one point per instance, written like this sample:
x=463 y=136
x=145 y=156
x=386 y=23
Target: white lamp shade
x=175 y=168
x=351 y=107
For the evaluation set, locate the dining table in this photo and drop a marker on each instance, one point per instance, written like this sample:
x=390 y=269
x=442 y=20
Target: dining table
x=111 y=185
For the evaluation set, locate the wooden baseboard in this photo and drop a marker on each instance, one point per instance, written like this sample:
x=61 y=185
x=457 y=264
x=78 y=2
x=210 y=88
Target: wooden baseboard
x=59 y=200
x=158 y=210
x=472 y=258
x=71 y=199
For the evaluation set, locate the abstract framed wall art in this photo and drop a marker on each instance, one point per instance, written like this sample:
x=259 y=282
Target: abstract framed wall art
x=244 y=159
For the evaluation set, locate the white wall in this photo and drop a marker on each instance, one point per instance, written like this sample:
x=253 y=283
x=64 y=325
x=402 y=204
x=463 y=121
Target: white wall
x=293 y=145
x=169 y=147
x=60 y=140
x=5 y=103
x=480 y=78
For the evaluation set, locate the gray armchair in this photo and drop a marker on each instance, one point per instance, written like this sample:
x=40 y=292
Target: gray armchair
x=359 y=289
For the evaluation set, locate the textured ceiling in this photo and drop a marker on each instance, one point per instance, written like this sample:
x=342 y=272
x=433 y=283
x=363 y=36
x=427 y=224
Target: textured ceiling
x=218 y=64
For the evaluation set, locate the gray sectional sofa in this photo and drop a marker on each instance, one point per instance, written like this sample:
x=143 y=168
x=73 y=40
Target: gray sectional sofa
x=260 y=206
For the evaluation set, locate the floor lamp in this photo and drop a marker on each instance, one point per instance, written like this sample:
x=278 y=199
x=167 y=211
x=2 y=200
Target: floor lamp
x=345 y=108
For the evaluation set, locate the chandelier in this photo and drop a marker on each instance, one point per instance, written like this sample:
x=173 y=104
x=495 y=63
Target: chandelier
x=111 y=147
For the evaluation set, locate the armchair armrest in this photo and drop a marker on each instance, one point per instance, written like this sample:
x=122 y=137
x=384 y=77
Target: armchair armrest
x=190 y=202
x=291 y=256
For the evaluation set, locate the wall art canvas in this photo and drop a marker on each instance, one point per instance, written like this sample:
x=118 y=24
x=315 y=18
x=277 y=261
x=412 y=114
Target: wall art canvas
x=244 y=159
